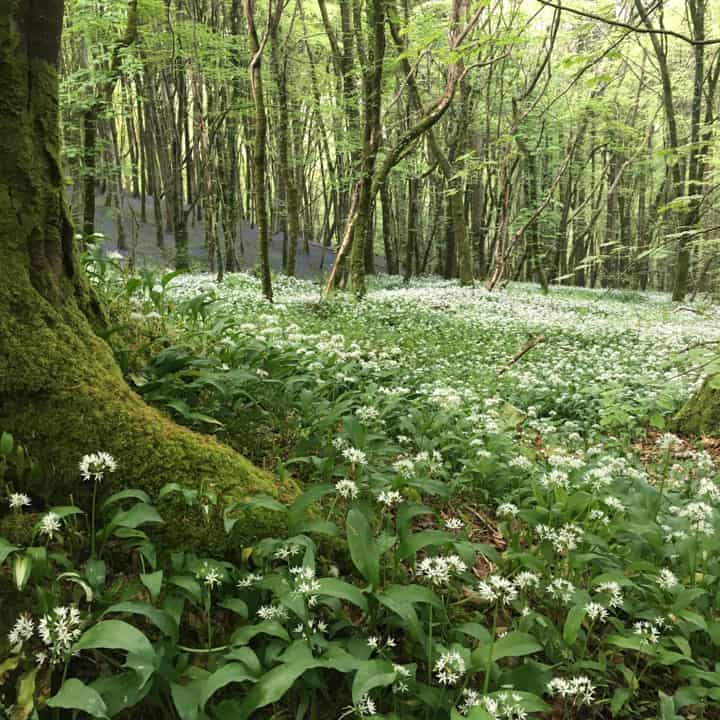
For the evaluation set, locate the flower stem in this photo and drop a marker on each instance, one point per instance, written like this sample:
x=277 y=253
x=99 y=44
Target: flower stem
x=488 y=667
x=92 y=521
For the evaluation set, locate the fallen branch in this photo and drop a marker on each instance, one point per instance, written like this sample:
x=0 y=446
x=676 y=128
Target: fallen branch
x=533 y=343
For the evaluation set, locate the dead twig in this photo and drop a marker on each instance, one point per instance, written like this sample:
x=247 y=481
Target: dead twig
x=533 y=343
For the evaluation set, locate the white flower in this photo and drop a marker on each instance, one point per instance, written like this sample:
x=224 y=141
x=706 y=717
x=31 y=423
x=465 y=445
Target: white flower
x=561 y=589
x=578 y=688
x=666 y=579
x=366 y=706
x=614 y=503
x=50 y=524
x=22 y=630
x=700 y=515
x=507 y=510
x=95 y=465
x=449 y=667
x=373 y=642
x=272 y=612
x=16 y=501
x=347 y=489
x=59 y=630
x=525 y=579
x=305 y=581
x=287 y=551
x=614 y=591
x=495 y=588
x=439 y=570
x=649 y=632
x=249 y=580
x=668 y=442
x=454 y=524
x=389 y=498
x=355 y=456
x=596 y=611
x=212 y=578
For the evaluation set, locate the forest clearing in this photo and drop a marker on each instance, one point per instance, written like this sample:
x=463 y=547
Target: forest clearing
x=359 y=359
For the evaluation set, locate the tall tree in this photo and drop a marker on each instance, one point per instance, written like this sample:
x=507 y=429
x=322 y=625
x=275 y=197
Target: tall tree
x=61 y=392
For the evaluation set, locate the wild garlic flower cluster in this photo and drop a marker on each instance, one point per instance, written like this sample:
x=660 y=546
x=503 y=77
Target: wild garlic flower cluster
x=375 y=642
x=17 y=501
x=699 y=515
x=454 y=524
x=614 y=593
x=563 y=539
x=449 y=667
x=59 y=631
x=649 y=631
x=272 y=612
x=403 y=673
x=708 y=489
x=439 y=570
x=347 y=489
x=497 y=589
x=95 y=465
x=597 y=612
x=287 y=551
x=355 y=456
x=368 y=414
x=50 y=524
x=389 y=498
x=210 y=576
x=507 y=510
x=667 y=579
x=504 y=706
x=306 y=584
x=247 y=581
x=578 y=689
x=22 y=630
x=561 y=589
x=314 y=626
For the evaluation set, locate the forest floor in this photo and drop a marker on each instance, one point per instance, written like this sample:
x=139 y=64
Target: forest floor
x=495 y=519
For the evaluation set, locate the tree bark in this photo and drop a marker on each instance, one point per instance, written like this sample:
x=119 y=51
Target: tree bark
x=61 y=392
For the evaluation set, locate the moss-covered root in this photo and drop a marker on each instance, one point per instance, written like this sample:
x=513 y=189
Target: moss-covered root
x=701 y=414
x=151 y=451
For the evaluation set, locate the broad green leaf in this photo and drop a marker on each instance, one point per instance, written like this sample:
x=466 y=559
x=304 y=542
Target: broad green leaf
x=372 y=674
x=363 y=548
x=273 y=685
x=243 y=635
x=75 y=695
x=573 y=623
x=161 y=619
x=230 y=673
x=6 y=549
x=153 y=583
x=515 y=644
x=139 y=514
x=333 y=587
x=130 y=493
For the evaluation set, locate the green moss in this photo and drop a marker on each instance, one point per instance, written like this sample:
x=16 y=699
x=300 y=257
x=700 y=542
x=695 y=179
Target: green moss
x=18 y=528
x=701 y=414
x=61 y=393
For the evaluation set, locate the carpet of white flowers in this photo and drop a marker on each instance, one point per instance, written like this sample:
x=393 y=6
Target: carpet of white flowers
x=496 y=522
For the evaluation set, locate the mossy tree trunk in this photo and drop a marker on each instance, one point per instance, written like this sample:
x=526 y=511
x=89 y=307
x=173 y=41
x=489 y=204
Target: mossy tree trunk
x=701 y=414
x=61 y=392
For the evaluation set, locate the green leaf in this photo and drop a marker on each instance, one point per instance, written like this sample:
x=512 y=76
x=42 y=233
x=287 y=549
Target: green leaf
x=230 y=673
x=6 y=549
x=119 y=635
x=573 y=623
x=127 y=494
x=333 y=587
x=296 y=513
x=153 y=583
x=6 y=444
x=515 y=644
x=139 y=514
x=274 y=684
x=189 y=584
x=372 y=674
x=237 y=606
x=243 y=635
x=75 y=695
x=266 y=502
x=363 y=549
x=619 y=699
x=161 y=619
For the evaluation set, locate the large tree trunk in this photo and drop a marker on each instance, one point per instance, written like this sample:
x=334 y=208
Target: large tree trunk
x=61 y=392
x=701 y=414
